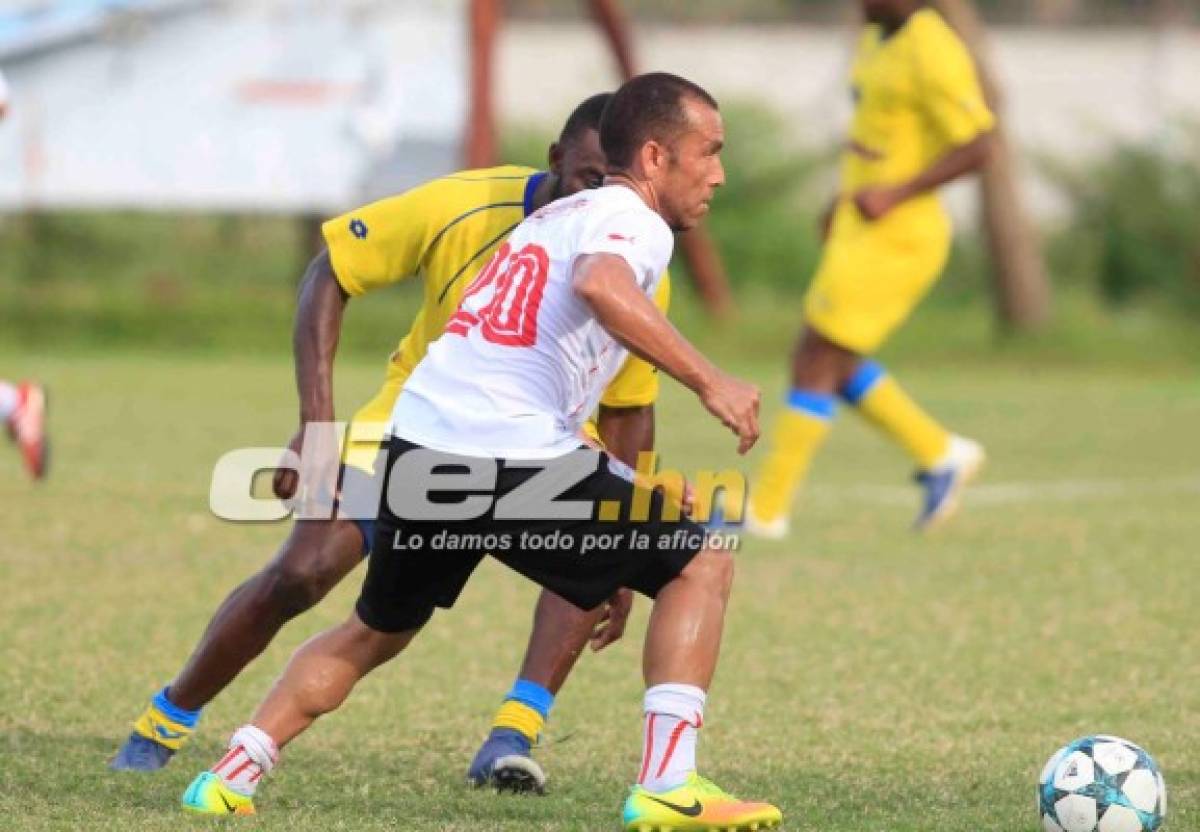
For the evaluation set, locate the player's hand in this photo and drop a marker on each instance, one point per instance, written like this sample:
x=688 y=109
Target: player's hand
x=687 y=500
x=735 y=403
x=876 y=203
x=611 y=625
x=284 y=483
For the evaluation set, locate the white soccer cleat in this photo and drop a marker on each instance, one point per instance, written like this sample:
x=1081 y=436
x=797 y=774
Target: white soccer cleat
x=945 y=482
x=776 y=529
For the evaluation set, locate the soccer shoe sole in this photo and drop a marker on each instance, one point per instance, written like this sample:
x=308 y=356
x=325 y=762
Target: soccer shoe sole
x=517 y=775
x=953 y=502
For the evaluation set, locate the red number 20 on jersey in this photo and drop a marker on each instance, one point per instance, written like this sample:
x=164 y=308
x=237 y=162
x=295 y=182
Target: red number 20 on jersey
x=517 y=281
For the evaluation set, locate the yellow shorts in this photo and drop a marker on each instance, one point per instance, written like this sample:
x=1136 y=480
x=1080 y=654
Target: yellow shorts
x=872 y=275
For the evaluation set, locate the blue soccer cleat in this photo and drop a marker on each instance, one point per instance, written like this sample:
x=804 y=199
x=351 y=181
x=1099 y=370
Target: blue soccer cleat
x=943 y=484
x=503 y=762
x=140 y=754
x=160 y=731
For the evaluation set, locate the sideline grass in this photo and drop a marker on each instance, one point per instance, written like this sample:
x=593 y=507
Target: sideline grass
x=870 y=680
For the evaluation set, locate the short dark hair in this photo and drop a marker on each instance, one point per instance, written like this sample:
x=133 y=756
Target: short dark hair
x=585 y=117
x=646 y=107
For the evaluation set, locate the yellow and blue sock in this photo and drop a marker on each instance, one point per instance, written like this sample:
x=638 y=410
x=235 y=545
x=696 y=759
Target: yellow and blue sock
x=525 y=709
x=799 y=432
x=877 y=396
x=166 y=723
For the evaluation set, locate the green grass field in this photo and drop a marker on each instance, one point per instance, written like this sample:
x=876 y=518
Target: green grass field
x=870 y=681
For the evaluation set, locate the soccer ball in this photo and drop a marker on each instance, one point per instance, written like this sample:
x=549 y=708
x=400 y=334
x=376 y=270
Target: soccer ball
x=1101 y=784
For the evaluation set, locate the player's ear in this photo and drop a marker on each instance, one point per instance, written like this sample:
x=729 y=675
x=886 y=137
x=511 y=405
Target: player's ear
x=555 y=158
x=654 y=158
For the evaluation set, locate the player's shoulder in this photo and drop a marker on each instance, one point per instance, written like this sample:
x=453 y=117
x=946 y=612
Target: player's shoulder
x=467 y=192
x=869 y=38
x=486 y=183
x=937 y=48
x=930 y=31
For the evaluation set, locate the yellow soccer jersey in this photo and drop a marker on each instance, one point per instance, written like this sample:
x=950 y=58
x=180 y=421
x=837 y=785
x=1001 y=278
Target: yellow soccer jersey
x=917 y=96
x=444 y=231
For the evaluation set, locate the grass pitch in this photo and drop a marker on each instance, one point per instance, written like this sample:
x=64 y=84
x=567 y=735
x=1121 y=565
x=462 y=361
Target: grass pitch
x=870 y=680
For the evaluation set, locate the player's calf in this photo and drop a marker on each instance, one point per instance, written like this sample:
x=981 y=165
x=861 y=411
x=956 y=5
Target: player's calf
x=315 y=557
x=317 y=680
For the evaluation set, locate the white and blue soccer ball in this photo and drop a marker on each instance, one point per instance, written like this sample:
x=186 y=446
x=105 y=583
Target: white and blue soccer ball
x=1101 y=784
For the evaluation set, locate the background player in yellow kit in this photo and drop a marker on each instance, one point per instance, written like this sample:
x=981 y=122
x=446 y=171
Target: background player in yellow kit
x=920 y=121
x=441 y=232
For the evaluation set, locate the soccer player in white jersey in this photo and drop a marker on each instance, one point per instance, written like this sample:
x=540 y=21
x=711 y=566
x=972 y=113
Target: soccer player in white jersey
x=485 y=456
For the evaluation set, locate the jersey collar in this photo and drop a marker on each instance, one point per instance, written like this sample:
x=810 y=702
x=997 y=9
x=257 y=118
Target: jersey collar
x=531 y=186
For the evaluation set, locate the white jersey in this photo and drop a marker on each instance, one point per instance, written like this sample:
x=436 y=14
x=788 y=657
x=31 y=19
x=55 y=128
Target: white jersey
x=523 y=362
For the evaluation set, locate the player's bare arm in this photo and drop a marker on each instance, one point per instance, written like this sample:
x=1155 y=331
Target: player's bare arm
x=315 y=335
x=315 y=338
x=606 y=283
x=874 y=203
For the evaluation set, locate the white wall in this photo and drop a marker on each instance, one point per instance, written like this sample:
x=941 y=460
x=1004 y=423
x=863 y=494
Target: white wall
x=296 y=107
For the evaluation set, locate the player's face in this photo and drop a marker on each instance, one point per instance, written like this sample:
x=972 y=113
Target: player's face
x=693 y=171
x=578 y=163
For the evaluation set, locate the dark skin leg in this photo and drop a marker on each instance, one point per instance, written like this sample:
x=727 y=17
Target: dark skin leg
x=314 y=558
x=820 y=365
x=318 y=554
x=560 y=632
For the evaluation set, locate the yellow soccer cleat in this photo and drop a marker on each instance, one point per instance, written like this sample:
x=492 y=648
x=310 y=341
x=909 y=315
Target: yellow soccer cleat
x=696 y=806
x=209 y=796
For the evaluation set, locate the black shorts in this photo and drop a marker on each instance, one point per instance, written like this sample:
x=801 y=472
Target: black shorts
x=423 y=558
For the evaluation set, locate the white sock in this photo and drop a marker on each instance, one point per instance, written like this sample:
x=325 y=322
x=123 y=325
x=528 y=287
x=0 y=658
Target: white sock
x=251 y=755
x=9 y=399
x=674 y=713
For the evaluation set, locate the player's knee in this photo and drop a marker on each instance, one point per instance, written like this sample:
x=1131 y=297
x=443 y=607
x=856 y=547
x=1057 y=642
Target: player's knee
x=293 y=588
x=714 y=569
x=312 y=563
x=297 y=584
x=819 y=364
